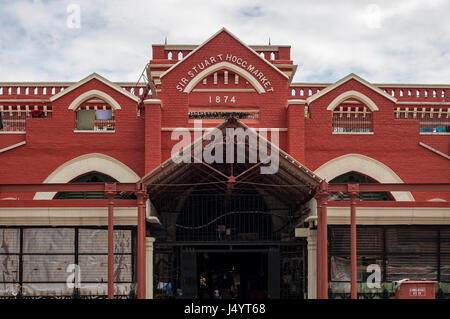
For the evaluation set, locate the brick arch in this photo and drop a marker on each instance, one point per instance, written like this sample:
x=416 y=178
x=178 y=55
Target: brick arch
x=87 y=163
x=355 y=95
x=94 y=94
x=364 y=165
x=229 y=66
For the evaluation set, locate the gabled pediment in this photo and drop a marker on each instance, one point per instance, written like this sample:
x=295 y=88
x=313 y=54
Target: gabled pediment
x=349 y=77
x=232 y=38
x=90 y=78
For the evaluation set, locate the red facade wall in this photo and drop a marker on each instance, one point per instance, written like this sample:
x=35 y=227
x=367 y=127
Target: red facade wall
x=143 y=142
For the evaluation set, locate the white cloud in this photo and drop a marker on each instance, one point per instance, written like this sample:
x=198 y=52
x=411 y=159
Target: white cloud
x=409 y=43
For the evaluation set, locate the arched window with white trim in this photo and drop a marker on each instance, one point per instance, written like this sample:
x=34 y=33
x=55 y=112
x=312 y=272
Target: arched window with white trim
x=357 y=178
x=352 y=113
x=349 y=117
x=95 y=111
x=95 y=115
x=93 y=177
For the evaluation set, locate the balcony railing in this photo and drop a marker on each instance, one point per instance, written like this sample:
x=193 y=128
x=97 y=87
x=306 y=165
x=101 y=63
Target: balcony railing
x=431 y=120
x=15 y=120
x=352 y=120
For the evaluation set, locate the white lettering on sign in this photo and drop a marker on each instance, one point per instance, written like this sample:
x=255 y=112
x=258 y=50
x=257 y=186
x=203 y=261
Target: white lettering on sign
x=417 y=292
x=222 y=99
x=228 y=57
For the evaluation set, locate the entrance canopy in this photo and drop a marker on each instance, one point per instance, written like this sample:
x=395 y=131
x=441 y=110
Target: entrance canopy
x=245 y=162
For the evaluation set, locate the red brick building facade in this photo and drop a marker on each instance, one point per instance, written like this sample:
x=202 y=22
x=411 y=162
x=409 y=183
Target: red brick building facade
x=344 y=132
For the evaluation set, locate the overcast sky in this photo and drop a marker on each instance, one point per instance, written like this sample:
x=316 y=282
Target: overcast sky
x=388 y=41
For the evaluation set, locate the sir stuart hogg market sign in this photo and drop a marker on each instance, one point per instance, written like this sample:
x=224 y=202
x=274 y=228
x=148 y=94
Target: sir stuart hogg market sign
x=239 y=61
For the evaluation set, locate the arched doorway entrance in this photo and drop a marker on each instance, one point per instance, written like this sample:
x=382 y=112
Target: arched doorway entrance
x=228 y=230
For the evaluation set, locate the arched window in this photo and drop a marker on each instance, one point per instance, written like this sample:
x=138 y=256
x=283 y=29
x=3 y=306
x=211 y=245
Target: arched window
x=169 y=55
x=357 y=178
x=95 y=114
x=93 y=177
x=180 y=55
x=351 y=118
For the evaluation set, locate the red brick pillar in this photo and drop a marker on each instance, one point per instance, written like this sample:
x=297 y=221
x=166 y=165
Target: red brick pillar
x=153 y=110
x=296 y=130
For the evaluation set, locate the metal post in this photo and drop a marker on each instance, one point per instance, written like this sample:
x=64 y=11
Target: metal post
x=110 y=195
x=141 y=246
x=324 y=247
x=353 y=260
x=353 y=194
x=319 y=248
x=322 y=243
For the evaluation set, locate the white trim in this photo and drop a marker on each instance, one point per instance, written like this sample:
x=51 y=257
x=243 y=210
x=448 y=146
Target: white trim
x=224 y=65
x=153 y=101
x=389 y=215
x=99 y=78
x=424 y=103
x=345 y=79
x=234 y=37
x=15 y=132
x=92 y=131
x=434 y=133
x=352 y=133
x=87 y=163
x=437 y=200
x=12 y=146
x=355 y=95
x=224 y=90
x=94 y=94
x=428 y=147
x=295 y=101
x=364 y=165
x=191 y=129
x=66 y=216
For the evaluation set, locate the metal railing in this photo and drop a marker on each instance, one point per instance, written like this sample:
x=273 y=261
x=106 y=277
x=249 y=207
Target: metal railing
x=352 y=120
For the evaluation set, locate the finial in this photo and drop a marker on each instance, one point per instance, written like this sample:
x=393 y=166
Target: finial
x=269 y=40
x=165 y=40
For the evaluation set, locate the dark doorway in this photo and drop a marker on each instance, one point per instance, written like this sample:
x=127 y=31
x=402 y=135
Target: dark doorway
x=231 y=275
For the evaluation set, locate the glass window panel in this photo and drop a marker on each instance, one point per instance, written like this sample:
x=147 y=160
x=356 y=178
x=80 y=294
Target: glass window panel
x=9 y=240
x=46 y=268
x=48 y=240
x=94 y=268
x=9 y=268
x=95 y=241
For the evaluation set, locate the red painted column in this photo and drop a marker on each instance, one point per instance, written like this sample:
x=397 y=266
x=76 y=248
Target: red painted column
x=353 y=253
x=141 y=280
x=322 y=243
x=324 y=248
x=296 y=130
x=110 y=196
x=319 y=248
x=153 y=114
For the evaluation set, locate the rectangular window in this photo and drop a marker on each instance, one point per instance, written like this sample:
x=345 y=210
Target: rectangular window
x=95 y=120
x=352 y=120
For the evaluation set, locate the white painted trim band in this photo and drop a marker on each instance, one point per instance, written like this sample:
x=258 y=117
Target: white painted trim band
x=12 y=146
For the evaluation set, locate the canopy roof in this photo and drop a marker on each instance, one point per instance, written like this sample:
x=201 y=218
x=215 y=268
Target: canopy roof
x=292 y=183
